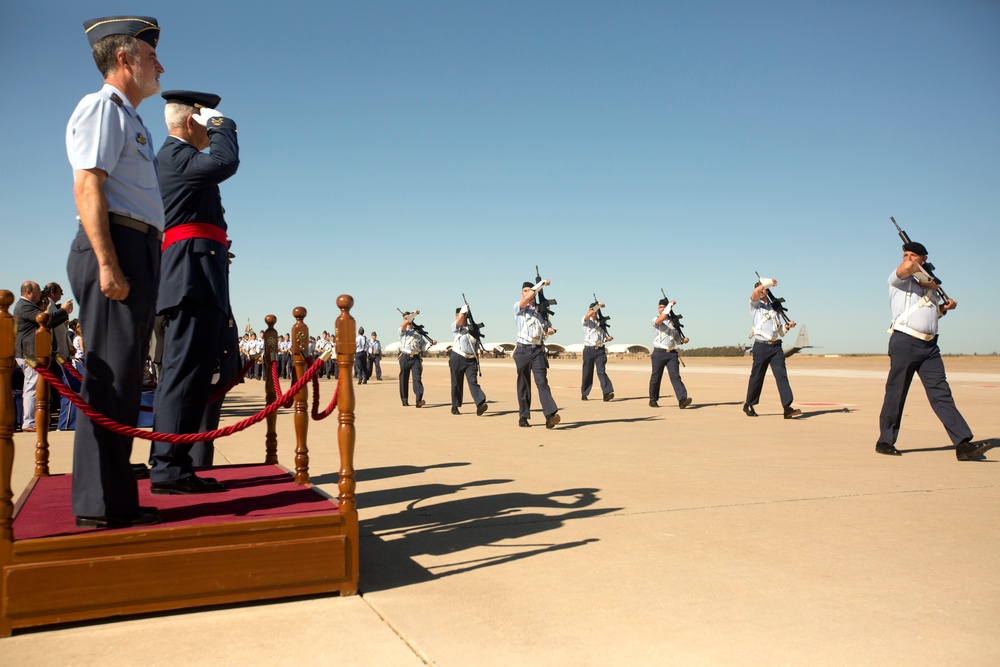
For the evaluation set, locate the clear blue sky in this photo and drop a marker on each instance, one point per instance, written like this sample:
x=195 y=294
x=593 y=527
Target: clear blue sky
x=407 y=152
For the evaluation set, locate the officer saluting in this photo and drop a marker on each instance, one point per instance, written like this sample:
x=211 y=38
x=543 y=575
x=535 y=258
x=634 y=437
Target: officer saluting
x=200 y=336
x=114 y=261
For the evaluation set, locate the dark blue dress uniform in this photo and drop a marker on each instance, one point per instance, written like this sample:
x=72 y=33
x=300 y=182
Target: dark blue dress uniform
x=200 y=336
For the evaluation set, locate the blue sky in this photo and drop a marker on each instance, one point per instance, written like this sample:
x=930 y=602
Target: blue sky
x=407 y=152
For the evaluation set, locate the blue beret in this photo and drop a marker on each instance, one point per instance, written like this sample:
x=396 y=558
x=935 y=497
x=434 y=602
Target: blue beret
x=192 y=98
x=141 y=27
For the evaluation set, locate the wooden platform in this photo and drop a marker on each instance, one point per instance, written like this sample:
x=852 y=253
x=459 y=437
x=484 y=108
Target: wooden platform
x=269 y=535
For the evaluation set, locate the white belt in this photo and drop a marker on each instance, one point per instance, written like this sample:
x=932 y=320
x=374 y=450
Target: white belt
x=902 y=328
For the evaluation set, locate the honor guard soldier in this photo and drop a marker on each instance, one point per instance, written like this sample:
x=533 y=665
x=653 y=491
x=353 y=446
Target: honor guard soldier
x=665 y=356
x=193 y=297
x=374 y=357
x=595 y=354
x=411 y=349
x=361 y=357
x=913 y=348
x=114 y=262
x=322 y=345
x=464 y=363
x=529 y=356
x=768 y=331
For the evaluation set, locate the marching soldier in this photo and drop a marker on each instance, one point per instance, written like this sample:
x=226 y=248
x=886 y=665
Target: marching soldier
x=411 y=348
x=595 y=354
x=665 y=356
x=463 y=361
x=913 y=348
x=529 y=356
x=767 y=334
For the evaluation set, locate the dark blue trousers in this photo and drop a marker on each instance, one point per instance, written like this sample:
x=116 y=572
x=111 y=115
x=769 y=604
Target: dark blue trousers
x=595 y=358
x=765 y=355
x=666 y=359
x=464 y=368
x=529 y=360
x=116 y=336
x=408 y=364
x=909 y=355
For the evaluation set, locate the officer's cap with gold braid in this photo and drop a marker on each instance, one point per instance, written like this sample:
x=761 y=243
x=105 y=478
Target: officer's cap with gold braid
x=192 y=98
x=141 y=27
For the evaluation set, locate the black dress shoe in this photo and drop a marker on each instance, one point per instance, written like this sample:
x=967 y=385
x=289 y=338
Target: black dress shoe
x=887 y=449
x=750 y=412
x=552 y=420
x=186 y=486
x=147 y=516
x=683 y=404
x=455 y=411
x=967 y=451
x=583 y=398
x=792 y=413
x=654 y=404
x=608 y=396
x=406 y=404
x=421 y=403
x=140 y=471
x=523 y=423
x=480 y=409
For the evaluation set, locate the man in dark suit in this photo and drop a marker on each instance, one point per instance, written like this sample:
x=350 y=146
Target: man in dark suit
x=199 y=338
x=27 y=308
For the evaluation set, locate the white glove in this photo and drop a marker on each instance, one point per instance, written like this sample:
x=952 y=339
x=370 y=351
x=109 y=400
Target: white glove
x=205 y=115
x=464 y=309
x=767 y=283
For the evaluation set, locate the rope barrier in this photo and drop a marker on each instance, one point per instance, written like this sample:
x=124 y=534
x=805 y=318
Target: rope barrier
x=316 y=414
x=176 y=438
x=219 y=395
x=72 y=371
x=277 y=385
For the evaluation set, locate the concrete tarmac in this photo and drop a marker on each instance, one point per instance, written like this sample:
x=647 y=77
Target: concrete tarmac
x=625 y=536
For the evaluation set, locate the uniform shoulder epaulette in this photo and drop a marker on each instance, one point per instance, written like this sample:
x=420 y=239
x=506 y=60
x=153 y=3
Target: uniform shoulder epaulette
x=117 y=100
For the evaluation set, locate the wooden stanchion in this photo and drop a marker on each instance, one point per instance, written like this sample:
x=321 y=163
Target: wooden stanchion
x=43 y=353
x=270 y=391
x=300 y=347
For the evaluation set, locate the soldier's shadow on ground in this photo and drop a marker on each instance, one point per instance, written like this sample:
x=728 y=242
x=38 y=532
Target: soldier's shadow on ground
x=385 y=472
x=817 y=413
x=699 y=406
x=391 y=543
x=566 y=426
x=981 y=458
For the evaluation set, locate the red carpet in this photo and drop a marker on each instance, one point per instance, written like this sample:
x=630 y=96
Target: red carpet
x=252 y=492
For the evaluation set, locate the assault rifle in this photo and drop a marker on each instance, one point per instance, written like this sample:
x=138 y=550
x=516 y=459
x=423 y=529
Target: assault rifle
x=675 y=319
x=419 y=328
x=475 y=330
x=777 y=304
x=927 y=267
x=602 y=321
x=544 y=305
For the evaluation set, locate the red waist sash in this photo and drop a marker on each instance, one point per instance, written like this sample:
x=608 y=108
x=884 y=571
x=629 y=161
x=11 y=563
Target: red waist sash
x=193 y=230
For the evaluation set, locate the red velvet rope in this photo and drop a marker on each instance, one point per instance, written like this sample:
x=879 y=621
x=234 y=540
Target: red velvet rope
x=316 y=414
x=219 y=395
x=68 y=365
x=277 y=385
x=175 y=438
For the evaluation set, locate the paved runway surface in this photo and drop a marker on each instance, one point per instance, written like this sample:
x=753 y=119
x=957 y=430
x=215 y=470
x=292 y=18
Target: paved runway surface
x=626 y=536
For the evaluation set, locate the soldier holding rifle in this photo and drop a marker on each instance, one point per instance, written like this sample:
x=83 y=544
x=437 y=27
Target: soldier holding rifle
x=917 y=302
x=595 y=354
x=464 y=361
x=413 y=340
x=669 y=334
x=533 y=325
x=770 y=324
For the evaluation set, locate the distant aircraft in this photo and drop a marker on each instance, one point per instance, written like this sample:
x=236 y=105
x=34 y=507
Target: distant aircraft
x=801 y=342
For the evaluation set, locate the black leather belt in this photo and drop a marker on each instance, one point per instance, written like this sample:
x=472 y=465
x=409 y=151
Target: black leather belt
x=137 y=225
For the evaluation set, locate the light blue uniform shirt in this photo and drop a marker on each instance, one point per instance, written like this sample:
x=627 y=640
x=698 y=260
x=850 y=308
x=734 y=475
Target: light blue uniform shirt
x=530 y=326
x=105 y=135
x=907 y=292
x=593 y=334
x=411 y=342
x=461 y=340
